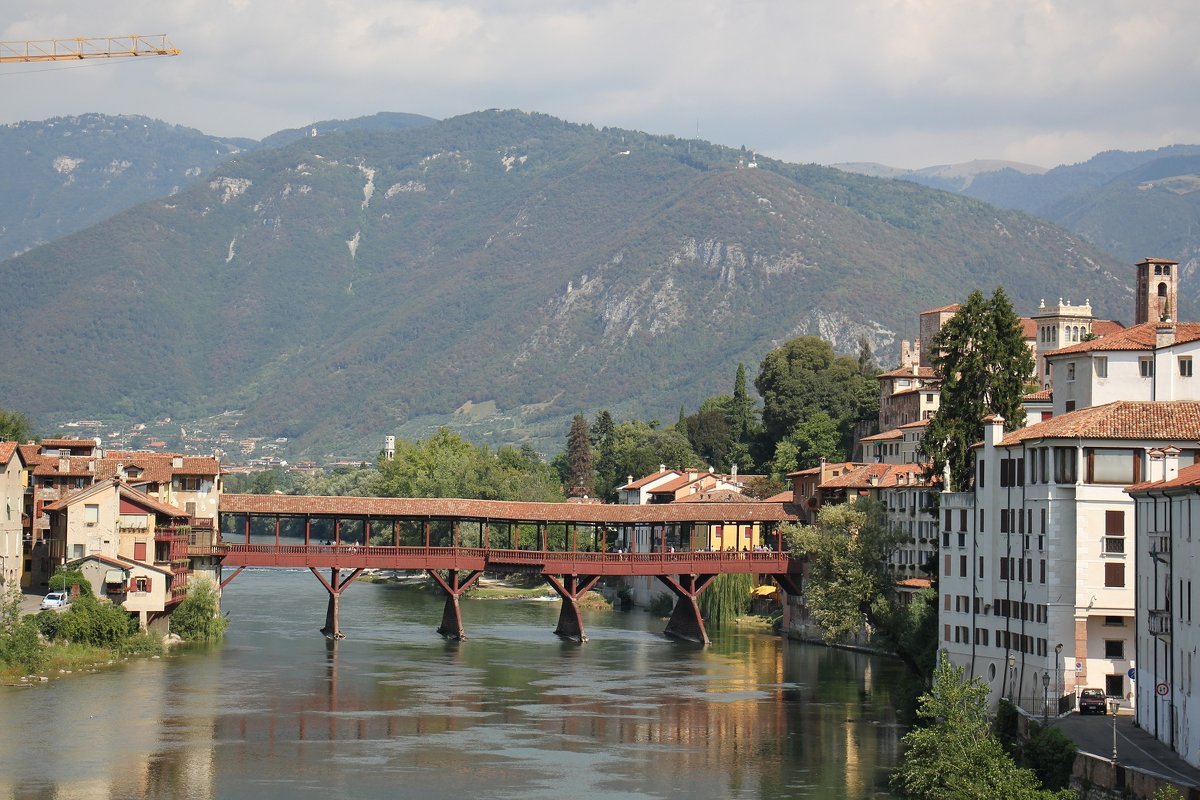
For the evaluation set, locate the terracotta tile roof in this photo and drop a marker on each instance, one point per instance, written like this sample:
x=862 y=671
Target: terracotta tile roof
x=915 y=390
x=31 y=453
x=1043 y=396
x=157 y=467
x=921 y=423
x=782 y=497
x=1029 y=328
x=839 y=467
x=1189 y=477
x=1125 y=419
x=8 y=450
x=906 y=372
x=943 y=309
x=879 y=476
x=1106 y=327
x=720 y=496
x=126 y=492
x=684 y=480
x=120 y=562
x=640 y=482
x=52 y=465
x=894 y=433
x=68 y=442
x=1139 y=337
x=914 y=583
x=447 y=508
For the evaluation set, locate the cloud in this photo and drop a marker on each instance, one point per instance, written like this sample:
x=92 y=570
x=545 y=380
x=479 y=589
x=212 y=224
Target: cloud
x=907 y=82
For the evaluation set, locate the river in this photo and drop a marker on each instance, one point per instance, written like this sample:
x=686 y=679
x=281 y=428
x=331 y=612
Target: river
x=512 y=712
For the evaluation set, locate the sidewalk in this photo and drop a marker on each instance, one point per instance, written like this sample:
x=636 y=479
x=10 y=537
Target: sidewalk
x=1135 y=747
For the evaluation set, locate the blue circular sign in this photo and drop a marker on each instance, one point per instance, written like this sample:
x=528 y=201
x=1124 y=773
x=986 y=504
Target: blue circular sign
x=1132 y=673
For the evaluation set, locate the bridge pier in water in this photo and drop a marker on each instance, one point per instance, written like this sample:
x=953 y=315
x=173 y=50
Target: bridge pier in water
x=335 y=586
x=570 y=589
x=686 y=622
x=452 y=624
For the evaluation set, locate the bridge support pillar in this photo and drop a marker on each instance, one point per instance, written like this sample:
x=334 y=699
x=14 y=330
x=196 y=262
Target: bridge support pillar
x=335 y=586
x=686 y=622
x=570 y=589
x=454 y=587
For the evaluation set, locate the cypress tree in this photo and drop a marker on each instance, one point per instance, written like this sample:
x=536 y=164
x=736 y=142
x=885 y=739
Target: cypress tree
x=984 y=364
x=580 y=474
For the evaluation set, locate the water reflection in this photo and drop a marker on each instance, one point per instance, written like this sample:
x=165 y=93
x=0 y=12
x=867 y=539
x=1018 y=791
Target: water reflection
x=394 y=710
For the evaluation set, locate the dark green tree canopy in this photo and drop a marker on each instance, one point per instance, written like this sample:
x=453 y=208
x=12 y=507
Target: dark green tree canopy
x=985 y=365
x=804 y=377
x=581 y=477
x=14 y=427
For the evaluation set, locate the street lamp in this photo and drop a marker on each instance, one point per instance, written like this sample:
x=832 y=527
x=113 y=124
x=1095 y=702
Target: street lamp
x=1045 y=697
x=1058 y=687
x=1012 y=675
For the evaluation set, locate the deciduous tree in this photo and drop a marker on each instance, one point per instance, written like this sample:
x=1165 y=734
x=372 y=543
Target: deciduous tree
x=14 y=426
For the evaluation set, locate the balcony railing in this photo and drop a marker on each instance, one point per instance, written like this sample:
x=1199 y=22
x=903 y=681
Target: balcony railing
x=1160 y=623
x=1160 y=544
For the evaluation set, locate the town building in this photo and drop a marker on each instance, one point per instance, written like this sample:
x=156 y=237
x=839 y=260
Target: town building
x=113 y=520
x=12 y=496
x=1037 y=562
x=1167 y=627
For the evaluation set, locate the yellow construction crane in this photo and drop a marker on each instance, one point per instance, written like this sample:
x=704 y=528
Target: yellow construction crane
x=81 y=47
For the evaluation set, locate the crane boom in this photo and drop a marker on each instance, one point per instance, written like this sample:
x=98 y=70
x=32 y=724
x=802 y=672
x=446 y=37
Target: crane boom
x=82 y=47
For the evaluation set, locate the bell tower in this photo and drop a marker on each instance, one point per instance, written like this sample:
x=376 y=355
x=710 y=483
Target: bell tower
x=1157 y=290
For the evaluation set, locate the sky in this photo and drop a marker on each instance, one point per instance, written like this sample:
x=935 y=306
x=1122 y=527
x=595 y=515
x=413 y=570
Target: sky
x=908 y=83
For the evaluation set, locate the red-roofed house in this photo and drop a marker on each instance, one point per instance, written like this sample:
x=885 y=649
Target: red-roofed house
x=1037 y=560
x=115 y=520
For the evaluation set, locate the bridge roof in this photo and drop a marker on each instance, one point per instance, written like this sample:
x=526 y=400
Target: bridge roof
x=455 y=508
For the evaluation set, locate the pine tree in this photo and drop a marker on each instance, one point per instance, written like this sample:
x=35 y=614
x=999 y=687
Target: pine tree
x=984 y=364
x=581 y=477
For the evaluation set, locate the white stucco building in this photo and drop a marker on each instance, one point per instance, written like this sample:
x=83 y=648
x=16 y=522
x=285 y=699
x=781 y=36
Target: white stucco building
x=1168 y=628
x=1037 y=562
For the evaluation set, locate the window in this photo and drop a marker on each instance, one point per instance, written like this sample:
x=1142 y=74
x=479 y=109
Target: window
x=1114 y=622
x=1118 y=466
x=1185 y=367
x=1069 y=406
x=91 y=514
x=141 y=584
x=1064 y=465
x=1100 y=364
x=1146 y=367
x=1114 y=648
x=1114 y=575
x=1070 y=370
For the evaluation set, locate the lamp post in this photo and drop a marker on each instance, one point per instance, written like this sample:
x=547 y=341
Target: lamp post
x=1045 y=697
x=1012 y=675
x=1058 y=687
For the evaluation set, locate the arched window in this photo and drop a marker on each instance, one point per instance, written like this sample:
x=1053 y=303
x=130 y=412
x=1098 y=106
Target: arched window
x=1162 y=290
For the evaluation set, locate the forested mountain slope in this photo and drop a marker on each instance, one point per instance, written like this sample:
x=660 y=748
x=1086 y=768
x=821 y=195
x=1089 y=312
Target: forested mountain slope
x=348 y=285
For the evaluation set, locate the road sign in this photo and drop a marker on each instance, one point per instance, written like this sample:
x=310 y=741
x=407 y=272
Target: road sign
x=1132 y=673
x=1161 y=690
x=1079 y=666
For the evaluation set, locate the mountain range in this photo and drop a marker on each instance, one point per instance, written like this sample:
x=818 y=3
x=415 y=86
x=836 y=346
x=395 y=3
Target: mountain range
x=500 y=271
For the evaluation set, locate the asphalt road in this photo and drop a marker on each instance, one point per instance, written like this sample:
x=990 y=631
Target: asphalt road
x=1135 y=747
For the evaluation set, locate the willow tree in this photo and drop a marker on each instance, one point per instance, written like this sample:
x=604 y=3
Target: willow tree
x=984 y=365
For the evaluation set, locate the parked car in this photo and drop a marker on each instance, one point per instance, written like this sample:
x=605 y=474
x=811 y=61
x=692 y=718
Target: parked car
x=1093 y=701
x=56 y=600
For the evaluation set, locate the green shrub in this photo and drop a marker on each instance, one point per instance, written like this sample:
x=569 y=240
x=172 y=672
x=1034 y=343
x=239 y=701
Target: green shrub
x=23 y=648
x=1005 y=727
x=49 y=623
x=100 y=624
x=71 y=576
x=1051 y=756
x=661 y=605
x=141 y=644
x=197 y=618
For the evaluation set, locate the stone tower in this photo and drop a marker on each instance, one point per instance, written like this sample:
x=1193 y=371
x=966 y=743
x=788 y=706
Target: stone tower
x=1157 y=290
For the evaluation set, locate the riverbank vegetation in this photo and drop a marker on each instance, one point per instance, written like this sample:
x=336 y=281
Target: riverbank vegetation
x=954 y=752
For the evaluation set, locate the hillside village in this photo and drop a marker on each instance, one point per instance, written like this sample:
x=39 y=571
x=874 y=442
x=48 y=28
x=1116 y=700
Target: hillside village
x=1067 y=564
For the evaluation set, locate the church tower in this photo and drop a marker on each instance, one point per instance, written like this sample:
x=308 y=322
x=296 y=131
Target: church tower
x=1157 y=290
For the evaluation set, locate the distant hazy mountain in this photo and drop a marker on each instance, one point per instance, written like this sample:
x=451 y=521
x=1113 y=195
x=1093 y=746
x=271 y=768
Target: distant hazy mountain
x=383 y=121
x=64 y=174
x=1129 y=204
x=372 y=281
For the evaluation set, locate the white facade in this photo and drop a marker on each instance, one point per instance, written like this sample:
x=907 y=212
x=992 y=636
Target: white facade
x=1037 y=563
x=1168 y=628
x=1146 y=362
x=12 y=498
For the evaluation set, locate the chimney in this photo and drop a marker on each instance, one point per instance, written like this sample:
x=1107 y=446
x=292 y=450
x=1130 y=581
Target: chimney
x=177 y=462
x=993 y=429
x=64 y=464
x=1171 y=463
x=662 y=467
x=821 y=474
x=1154 y=468
x=92 y=465
x=733 y=471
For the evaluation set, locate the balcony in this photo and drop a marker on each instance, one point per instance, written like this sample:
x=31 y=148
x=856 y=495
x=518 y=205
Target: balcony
x=1160 y=545
x=1160 y=624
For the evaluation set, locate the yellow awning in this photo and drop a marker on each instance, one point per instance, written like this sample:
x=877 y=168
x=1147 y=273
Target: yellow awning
x=764 y=591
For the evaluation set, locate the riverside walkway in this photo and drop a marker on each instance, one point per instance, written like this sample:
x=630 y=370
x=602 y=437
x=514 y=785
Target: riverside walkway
x=571 y=545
